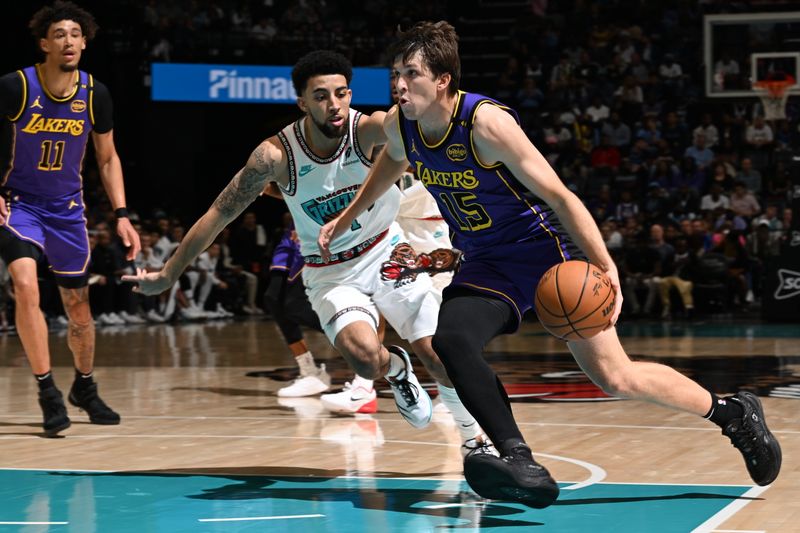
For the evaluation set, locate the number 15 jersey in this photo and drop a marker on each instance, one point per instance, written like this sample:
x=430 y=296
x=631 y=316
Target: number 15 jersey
x=484 y=205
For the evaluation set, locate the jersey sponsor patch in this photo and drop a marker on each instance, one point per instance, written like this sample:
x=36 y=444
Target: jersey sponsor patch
x=77 y=106
x=456 y=152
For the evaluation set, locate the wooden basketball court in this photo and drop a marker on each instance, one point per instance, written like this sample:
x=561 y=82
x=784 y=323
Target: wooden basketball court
x=204 y=447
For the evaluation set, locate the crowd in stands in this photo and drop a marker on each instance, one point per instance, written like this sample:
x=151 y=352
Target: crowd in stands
x=692 y=197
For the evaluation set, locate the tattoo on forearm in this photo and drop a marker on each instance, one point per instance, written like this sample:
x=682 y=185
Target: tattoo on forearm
x=245 y=187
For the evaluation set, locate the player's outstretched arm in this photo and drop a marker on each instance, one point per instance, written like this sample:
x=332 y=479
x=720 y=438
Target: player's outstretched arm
x=385 y=172
x=497 y=137
x=111 y=174
x=264 y=165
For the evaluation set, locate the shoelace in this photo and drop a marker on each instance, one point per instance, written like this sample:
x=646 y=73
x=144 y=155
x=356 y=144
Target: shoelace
x=744 y=439
x=408 y=391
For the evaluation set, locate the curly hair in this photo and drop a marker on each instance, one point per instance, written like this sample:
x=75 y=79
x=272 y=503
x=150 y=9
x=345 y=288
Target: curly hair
x=318 y=63
x=62 y=10
x=438 y=44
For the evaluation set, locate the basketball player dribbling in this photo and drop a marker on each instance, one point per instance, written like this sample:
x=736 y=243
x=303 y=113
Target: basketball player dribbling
x=471 y=154
x=318 y=163
x=52 y=108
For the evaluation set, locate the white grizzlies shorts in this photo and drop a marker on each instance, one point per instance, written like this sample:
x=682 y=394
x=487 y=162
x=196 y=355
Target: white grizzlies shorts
x=353 y=291
x=424 y=227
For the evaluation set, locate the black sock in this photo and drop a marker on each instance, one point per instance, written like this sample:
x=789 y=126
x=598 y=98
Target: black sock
x=82 y=381
x=45 y=380
x=723 y=411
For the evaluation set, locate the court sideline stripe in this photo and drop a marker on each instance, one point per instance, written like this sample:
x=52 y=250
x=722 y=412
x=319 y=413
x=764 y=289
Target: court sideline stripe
x=249 y=518
x=401 y=421
x=728 y=511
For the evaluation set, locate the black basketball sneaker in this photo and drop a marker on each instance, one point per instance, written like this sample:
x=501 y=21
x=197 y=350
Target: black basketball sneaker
x=750 y=435
x=88 y=400
x=54 y=411
x=513 y=477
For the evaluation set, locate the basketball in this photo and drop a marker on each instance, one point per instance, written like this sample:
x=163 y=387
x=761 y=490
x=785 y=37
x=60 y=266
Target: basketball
x=575 y=300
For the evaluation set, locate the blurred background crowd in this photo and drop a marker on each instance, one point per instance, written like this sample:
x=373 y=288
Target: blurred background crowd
x=691 y=195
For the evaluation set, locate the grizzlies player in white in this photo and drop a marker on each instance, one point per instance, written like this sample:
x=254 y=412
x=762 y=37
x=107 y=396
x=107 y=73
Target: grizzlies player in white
x=318 y=164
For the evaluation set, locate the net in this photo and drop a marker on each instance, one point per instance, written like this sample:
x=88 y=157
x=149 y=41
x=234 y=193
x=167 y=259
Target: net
x=774 y=94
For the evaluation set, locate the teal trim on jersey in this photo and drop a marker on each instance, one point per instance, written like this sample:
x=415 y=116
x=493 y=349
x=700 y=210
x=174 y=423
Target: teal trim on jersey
x=147 y=502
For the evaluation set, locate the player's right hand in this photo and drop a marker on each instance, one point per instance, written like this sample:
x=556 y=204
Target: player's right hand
x=149 y=283
x=3 y=211
x=327 y=233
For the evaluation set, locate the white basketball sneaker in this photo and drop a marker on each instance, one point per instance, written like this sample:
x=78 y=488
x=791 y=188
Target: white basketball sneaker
x=309 y=385
x=411 y=399
x=356 y=397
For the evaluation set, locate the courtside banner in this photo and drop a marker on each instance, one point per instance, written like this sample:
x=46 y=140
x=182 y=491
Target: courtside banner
x=250 y=84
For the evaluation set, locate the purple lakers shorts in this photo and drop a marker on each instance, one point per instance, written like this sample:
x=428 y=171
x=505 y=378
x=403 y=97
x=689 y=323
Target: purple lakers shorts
x=511 y=271
x=55 y=225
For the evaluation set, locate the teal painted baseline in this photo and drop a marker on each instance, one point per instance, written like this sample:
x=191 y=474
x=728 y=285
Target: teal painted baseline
x=145 y=502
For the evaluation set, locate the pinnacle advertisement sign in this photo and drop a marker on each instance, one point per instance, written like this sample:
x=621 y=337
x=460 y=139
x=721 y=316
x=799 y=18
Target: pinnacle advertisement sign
x=252 y=84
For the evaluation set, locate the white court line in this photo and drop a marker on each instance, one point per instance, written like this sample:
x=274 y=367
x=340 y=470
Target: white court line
x=389 y=420
x=728 y=511
x=449 y=505
x=420 y=478
x=739 y=531
x=33 y=523
x=248 y=518
x=596 y=474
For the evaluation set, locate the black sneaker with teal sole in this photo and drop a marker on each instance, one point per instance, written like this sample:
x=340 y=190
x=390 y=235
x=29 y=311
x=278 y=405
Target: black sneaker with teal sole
x=515 y=477
x=750 y=435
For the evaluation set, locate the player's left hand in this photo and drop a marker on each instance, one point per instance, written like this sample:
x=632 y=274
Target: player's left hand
x=129 y=236
x=613 y=275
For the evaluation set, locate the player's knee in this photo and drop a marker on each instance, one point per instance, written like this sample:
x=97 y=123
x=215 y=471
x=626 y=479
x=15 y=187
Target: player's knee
x=26 y=292
x=432 y=363
x=364 y=356
x=272 y=303
x=448 y=343
x=81 y=322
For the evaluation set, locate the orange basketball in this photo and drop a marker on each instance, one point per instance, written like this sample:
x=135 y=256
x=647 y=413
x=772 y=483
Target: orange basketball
x=575 y=300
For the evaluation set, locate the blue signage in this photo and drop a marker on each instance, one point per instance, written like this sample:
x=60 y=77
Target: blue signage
x=249 y=84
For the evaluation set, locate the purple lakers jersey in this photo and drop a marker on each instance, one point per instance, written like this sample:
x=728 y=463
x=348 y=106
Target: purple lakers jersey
x=509 y=237
x=49 y=137
x=483 y=204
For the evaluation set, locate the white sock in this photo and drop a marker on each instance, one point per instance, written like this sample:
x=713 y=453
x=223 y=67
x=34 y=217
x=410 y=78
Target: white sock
x=364 y=383
x=467 y=425
x=306 y=363
x=397 y=366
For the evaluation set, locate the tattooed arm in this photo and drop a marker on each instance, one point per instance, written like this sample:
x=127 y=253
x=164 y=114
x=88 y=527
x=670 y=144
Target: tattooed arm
x=267 y=163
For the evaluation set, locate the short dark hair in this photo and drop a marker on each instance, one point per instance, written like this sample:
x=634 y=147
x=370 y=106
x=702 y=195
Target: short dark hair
x=319 y=63
x=58 y=11
x=438 y=44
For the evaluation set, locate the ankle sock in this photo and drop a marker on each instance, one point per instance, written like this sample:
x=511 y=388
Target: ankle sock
x=397 y=366
x=467 y=426
x=82 y=381
x=723 y=410
x=45 y=381
x=306 y=363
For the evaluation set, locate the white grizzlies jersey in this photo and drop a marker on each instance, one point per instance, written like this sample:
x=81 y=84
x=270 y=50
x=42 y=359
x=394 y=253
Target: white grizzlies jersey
x=319 y=189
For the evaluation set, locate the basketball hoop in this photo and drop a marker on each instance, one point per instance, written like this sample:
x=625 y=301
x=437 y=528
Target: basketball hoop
x=774 y=94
